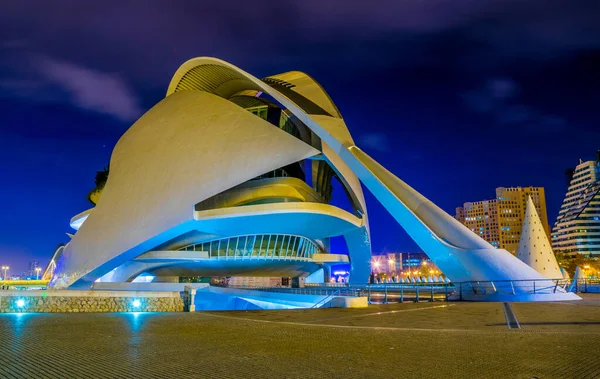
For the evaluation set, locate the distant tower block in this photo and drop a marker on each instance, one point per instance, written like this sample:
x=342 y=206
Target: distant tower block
x=534 y=247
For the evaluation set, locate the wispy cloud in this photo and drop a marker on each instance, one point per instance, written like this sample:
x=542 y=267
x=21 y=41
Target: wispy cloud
x=52 y=80
x=499 y=99
x=92 y=90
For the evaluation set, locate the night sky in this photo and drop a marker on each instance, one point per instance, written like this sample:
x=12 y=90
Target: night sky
x=455 y=97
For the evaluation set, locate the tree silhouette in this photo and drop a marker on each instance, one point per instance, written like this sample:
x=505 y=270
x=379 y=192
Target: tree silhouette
x=100 y=180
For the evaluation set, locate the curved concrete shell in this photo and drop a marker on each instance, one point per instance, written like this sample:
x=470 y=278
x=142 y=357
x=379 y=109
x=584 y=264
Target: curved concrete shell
x=187 y=148
x=196 y=144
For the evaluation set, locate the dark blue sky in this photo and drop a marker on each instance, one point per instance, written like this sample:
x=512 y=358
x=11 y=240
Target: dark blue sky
x=455 y=97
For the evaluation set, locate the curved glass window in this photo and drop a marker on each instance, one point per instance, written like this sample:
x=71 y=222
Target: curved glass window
x=267 y=246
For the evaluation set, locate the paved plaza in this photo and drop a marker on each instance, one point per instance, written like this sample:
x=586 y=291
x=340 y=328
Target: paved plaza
x=425 y=340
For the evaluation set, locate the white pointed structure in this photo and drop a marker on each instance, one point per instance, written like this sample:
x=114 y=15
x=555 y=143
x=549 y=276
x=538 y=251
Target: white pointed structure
x=565 y=274
x=579 y=274
x=535 y=248
x=578 y=278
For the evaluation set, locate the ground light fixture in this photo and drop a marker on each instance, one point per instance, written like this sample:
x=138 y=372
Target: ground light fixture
x=136 y=303
x=20 y=303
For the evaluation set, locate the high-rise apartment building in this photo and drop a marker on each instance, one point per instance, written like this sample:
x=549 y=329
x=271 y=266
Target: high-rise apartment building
x=33 y=265
x=577 y=226
x=499 y=221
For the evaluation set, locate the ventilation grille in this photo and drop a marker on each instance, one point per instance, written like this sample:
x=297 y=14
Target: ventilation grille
x=280 y=82
x=210 y=77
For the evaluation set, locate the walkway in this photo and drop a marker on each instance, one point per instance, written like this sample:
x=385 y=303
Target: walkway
x=425 y=340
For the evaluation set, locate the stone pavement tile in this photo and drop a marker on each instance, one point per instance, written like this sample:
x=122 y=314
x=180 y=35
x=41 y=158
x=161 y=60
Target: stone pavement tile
x=581 y=315
x=223 y=345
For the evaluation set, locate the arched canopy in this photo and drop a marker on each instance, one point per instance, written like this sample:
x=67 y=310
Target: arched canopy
x=291 y=89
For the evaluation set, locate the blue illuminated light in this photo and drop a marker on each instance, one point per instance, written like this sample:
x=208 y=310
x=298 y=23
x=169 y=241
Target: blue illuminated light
x=20 y=303
x=136 y=303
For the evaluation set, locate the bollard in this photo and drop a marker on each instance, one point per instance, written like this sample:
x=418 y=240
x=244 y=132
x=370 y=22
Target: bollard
x=402 y=294
x=432 y=293
x=191 y=292
x=417 y=297
x=385 y=298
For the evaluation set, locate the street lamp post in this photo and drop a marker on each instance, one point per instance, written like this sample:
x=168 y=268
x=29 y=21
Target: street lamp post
x=37 y=272
x=5 y=269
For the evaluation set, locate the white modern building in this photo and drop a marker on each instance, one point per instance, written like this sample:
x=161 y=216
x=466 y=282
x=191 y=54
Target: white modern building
x=577 y=227
x=232 y=175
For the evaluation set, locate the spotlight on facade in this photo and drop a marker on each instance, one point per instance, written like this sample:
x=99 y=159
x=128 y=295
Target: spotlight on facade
x=136 y=303
x=20 y=303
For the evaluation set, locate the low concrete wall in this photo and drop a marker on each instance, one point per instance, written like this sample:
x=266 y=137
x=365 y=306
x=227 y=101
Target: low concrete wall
x=153 y=286
x=89 y=301
x=219 y=298
x=348 y=302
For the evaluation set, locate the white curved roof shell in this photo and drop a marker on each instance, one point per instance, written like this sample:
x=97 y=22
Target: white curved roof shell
x=187 y=148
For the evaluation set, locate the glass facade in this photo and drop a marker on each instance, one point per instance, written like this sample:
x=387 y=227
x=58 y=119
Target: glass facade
x=266 y=246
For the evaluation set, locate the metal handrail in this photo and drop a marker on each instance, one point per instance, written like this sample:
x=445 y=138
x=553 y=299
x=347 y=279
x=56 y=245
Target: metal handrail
x=532 y=286
x=326 y=298
x=357 y=292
